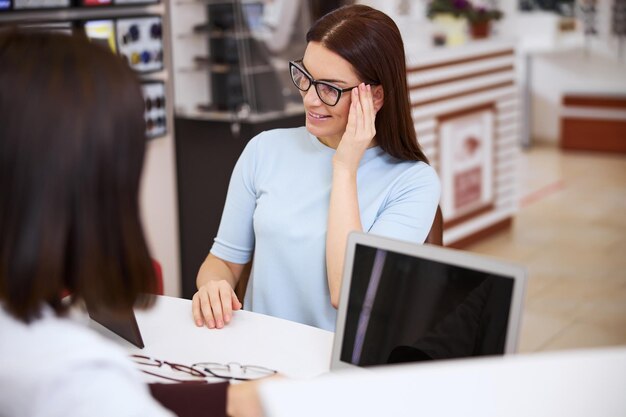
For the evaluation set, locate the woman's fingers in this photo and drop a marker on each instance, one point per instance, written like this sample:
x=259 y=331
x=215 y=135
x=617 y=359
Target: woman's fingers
x=359 y=128
x=226 y=294
x=216 y=308
x=371 y=110
x=369 y=116
x=364 y=113
x=236 y=304
x=213 y=304
x=205 y=307
x=351 y=125
x=197 y=312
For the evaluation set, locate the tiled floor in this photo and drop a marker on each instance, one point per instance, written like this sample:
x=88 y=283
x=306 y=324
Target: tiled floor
x=570 y=233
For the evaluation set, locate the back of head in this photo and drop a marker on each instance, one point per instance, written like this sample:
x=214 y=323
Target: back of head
x=371 y=42
x=72 y=142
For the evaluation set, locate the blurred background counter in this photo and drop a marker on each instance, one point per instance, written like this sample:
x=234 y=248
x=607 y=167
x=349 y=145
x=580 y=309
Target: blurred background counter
x=465 y=103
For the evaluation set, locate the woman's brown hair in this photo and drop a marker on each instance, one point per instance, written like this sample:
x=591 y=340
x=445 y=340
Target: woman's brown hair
x=371 y=42
x=72 y=142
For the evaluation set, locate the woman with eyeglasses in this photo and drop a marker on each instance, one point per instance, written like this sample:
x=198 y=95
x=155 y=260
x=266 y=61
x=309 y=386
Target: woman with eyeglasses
x=296 y=194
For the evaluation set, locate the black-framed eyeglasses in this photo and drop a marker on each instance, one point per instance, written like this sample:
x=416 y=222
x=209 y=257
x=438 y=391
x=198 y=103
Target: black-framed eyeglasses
x=326 y=91
x=157 y=363
x=234 y=371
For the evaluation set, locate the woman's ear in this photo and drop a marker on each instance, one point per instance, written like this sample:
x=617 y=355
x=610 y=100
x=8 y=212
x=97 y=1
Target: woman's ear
x=378 y=96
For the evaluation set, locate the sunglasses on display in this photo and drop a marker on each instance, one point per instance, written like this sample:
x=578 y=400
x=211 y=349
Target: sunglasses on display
x=329 y=93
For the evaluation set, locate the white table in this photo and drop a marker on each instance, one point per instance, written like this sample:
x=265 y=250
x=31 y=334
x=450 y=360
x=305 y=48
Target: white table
x=169 y=333
x=570 y=383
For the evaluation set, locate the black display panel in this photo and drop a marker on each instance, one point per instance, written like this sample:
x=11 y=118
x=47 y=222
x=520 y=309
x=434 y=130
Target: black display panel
x=404 y=308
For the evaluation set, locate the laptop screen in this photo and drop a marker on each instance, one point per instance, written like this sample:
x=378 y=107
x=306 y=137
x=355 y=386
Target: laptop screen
x=411 y=307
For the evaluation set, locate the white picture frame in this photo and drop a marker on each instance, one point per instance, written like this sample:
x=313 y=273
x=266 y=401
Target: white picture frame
x=467 y=162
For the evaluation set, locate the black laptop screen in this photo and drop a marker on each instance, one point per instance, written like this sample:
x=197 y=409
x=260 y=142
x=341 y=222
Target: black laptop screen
x=403 y=308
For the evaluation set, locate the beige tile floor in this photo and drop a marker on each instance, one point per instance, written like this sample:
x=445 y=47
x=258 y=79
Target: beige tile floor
x=570 y=232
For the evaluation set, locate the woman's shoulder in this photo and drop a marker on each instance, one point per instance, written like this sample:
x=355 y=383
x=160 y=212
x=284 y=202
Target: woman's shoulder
x=407 y=167
x=279 y=142
x=65 y=339
x=282 y=135
x=54 y=357
x=418 y=174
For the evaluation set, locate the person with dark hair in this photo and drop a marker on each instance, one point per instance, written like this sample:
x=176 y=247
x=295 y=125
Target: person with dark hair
x=296 y=194
x=72 y=141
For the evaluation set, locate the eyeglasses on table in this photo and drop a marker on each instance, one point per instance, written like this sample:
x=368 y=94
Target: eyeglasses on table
x=202 y=370
x=234 y=370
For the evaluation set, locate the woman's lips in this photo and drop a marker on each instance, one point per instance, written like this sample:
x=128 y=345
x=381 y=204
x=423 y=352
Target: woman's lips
x=316 y=116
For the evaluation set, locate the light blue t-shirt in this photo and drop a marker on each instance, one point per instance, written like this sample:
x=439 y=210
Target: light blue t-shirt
x=277 y=207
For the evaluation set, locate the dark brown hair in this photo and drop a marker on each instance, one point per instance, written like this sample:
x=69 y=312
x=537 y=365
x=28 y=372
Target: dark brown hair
x=72 y=142
x=371 y=42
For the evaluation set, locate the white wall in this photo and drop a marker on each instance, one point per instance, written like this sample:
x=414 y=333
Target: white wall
x=159 y=210
x=571 y=71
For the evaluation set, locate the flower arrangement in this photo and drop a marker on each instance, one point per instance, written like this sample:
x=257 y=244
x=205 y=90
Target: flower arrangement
x=463 y=9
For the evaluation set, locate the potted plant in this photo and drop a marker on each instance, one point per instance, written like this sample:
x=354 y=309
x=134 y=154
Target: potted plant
x=480 y=19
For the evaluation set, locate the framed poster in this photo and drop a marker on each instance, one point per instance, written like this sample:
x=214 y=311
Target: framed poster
x=467 y=162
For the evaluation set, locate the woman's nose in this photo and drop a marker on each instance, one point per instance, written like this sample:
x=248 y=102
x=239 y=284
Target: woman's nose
x=310 y=97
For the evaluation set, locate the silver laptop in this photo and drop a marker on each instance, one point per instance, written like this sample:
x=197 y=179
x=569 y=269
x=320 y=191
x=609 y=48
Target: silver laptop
x=402 y=302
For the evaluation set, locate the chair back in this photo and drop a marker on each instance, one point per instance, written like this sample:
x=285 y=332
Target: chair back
x=435 y=236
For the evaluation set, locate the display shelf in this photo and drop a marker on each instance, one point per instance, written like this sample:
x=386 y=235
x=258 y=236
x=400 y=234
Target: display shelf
x=228 y=41
x=78 y=13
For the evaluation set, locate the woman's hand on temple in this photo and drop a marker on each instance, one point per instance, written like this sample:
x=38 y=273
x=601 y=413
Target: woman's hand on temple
x=214 y=303
x=360 y=129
